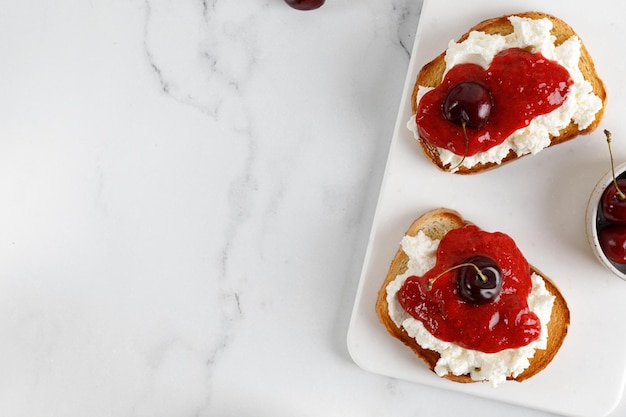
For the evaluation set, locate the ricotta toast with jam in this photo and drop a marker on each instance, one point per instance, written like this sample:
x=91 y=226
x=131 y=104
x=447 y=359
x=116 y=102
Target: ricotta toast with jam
x=511 y=86
x=468 y=303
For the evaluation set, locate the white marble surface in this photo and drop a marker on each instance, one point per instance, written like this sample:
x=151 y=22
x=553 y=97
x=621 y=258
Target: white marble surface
x=187 y=188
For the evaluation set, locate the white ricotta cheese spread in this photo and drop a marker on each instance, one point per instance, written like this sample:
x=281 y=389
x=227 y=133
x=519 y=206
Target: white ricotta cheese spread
x=580 y=105
x=492 y=367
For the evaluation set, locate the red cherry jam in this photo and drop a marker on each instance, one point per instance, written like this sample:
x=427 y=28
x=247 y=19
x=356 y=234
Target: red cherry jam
x=503 y=323
x=522 y=84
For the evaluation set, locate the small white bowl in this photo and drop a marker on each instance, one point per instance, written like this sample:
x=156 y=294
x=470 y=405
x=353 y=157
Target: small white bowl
x=592 y=219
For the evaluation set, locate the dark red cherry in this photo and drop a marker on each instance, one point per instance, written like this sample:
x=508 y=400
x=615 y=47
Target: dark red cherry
x=305 y=4
x=613 y=206
x=468 y=102
x=478 y=288
x=613 y=242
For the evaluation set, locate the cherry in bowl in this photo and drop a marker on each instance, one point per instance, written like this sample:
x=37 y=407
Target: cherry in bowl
x=612 y=238
x=607 y=239
x=613 y=203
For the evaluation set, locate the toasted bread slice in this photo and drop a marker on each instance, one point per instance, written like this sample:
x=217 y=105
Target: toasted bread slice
x=431 y=75
x=435 y=224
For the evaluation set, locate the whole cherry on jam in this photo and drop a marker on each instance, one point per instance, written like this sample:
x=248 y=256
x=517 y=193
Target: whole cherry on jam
x=479 y=280
x=305 y=4
x=468 y=103
x=613 y=242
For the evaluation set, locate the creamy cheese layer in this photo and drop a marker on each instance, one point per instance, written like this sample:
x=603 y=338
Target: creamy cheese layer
x=492 y=367
x=580 y=105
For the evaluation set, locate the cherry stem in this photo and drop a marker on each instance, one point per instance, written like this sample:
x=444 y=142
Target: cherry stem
x=608 y=141
x=431 y=281
x=463 y=124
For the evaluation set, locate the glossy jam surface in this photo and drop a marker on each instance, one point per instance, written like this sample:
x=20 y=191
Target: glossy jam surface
x=503 y=323
x=523 y=85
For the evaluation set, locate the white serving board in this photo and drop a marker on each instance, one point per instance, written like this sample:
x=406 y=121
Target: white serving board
x=539 y=200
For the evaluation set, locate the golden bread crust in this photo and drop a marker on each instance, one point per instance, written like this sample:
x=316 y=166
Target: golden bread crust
x=435 y=225
x=431 y=75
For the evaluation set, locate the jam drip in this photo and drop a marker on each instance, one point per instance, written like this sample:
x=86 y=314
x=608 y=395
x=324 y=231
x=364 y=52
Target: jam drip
x=523 y=85
x=501 y=324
